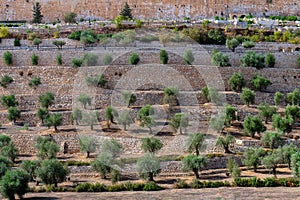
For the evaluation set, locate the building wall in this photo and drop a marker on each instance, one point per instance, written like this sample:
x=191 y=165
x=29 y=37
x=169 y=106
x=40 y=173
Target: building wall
x=147 y=9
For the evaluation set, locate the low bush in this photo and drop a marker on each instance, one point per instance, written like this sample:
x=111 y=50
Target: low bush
x=77 y=62
x=76 y=163
x=8 y=58
x=134 y=59
x=181 y=184
x=34 y=59
x=5 y=80
x=152 y=186
x=90 y=187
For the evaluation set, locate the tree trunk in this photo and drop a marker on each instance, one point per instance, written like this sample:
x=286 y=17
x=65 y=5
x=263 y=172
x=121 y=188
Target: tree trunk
x=108 y=124
x=150 y=130
x=125 y=127
x=87 y=154
x=55 y=128
x=197 y=151
x=150 y=176
x=274 y=171
x=226 y=148
x=55 y=183
x=196 y=173
x=92 y=126
x=180 y=130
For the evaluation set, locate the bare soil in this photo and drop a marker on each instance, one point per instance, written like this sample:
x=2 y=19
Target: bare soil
x=190 y=194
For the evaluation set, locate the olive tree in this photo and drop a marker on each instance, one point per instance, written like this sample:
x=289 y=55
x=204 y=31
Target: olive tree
x=110 y=114
x=219 y=59
x=42 y=114
x=151 y=144
x=236 y=82
x=251 y=59
x=225 y=142
x=195 y=143
x=52 y=172
x=272 y=160
x=260 y=83
x=283 y=124
x=292 y=111
x=148 y=166
x=84 y=100
x=248 y=96
x=170 y=96
x=266 y=111
x=46 y=99
x=252 y=125
x=179 y=121
x=87 y=144
x=55 y=120
x=13 y=114
x=252 y=157
x=271 y=139
x=76 y=115
x=90 y=118
x=47 y=149
x=14 y=182
x=128 y=98
x=194 y=163
x=295 y=164
x=9 y=101
x=124 y=119
x=145 y=117
x=293 y=97
x=278 y=98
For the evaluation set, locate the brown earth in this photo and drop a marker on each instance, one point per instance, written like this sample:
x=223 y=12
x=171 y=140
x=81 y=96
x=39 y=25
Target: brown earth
x=208 y=193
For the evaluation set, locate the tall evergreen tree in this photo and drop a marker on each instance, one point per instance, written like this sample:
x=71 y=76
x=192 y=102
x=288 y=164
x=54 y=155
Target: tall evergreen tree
x=37 y=14
x=126 y=12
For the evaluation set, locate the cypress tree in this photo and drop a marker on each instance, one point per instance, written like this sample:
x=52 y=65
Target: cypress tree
x=126 y=12
x=37 y=14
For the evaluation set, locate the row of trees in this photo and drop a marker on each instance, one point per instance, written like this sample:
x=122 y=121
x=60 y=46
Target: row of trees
x=250 y=59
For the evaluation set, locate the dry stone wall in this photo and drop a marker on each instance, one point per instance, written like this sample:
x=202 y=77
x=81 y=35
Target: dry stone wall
x=164 y=9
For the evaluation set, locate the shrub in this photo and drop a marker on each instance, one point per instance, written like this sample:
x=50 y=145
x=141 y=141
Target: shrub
x=107 y=59
x=34 y=59
x=35 y=81
x=70 y=17
x=77 y=62
x=88 y=37
x=189 y=57
x=260 y=83
x=8 y=58
x=205 y=93
x=5 y=80
x=152 y=186
x=98 y=81
x=59 y=59
x=134 y=59
x=233 y=168
x=181 y=184
x=90 y=59
x=251 y=59
x=115 y=176
x=75 y=35
x=270 y=60
x=248 y=96
x=248 y=44
x=283 y=124
x=17 y=42
x=236 y=82
x=163 y=56
x=298 y=61
x=89 y=187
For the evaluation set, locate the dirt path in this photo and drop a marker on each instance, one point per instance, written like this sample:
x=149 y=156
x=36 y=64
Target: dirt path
x=190 y=194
